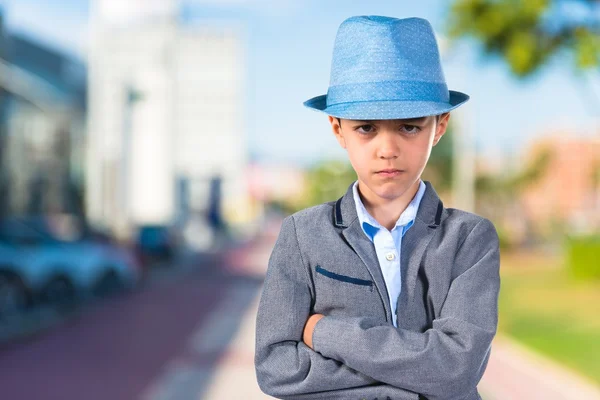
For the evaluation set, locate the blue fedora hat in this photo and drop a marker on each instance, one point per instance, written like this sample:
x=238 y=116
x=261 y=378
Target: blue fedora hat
x=386 y=68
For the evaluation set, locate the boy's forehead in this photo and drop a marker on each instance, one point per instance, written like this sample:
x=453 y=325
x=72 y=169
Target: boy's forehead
x=383 y=121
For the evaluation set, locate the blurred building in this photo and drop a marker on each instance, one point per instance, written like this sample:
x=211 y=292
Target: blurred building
x=273 y=182
x=568 y=194
x=42 y=123
x=166 y=137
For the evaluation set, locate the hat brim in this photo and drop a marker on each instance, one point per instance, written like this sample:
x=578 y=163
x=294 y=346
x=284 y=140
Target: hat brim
x=372 y=110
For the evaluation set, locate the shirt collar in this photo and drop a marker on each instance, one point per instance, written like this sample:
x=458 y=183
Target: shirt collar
x=370 y=225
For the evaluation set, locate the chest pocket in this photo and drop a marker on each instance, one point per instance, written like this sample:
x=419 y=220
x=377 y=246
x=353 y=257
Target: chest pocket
x=344 y=278
x=342 y=294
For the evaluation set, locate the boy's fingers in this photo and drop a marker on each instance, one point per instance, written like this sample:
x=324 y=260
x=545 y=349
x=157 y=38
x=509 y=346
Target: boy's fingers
x=309 y=328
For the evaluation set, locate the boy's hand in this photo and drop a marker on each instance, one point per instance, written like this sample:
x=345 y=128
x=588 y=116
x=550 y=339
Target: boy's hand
x=309 y=328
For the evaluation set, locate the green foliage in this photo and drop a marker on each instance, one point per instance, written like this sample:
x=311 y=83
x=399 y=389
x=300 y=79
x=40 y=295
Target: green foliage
x=327 y=181
x=498 y=193
x=583 y=256
x=527 y=33
x=439 y=170
x=504 y=238
x=532 y=172
x=596 y=174
x=280 y=206
x=542 y=308
x=511 y=184
x=587 y=48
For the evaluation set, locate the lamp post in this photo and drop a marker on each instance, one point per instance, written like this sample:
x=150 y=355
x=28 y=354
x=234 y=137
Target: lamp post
x=463 y=161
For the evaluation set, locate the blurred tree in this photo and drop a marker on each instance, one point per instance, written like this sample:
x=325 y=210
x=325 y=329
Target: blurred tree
x=498 y=195
x=503 y=188
x=527 y=33
x=596 y=174
x=439 y=170
x=327 y=180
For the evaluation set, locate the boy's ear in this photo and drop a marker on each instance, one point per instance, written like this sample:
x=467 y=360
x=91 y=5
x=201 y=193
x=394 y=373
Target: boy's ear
x=337 y=130
x=442 y=125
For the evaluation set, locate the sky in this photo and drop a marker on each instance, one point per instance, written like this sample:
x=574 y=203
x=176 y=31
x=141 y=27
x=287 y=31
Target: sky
x=288 y=56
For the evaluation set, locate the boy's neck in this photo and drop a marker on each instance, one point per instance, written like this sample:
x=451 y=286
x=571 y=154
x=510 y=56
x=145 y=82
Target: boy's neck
x=387 y=212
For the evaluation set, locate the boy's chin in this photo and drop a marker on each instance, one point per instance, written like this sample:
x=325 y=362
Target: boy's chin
x=389 y=190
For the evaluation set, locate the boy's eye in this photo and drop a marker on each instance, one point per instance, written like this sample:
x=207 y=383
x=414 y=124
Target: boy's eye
x=368 y=129
x=365 y=129
x=411 y=129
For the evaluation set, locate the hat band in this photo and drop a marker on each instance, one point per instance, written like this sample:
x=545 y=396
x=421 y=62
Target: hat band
x=388 y=91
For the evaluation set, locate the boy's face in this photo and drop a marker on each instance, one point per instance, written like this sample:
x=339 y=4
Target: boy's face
x=400 y=145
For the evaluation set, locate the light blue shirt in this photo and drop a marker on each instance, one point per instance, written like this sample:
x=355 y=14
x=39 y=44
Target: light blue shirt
x=388 y=244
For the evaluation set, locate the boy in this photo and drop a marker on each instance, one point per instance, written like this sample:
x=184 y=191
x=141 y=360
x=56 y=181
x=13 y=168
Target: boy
x=384 y=293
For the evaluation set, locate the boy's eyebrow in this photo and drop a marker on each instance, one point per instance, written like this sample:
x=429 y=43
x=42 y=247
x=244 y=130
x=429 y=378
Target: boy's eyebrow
x=407 y=120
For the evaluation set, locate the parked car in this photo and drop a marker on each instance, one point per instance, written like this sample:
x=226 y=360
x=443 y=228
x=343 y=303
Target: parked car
x=15 y=296
x=60 y=270
x=128 y=248
x=155 y=243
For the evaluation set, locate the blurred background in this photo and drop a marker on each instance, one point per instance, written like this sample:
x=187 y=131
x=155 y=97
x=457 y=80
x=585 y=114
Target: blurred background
x=149 y=150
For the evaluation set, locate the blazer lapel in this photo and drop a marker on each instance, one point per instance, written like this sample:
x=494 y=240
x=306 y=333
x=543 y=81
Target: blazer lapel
x=366 y=251
x=345 y=217
x=414 y=242
x=419 y=235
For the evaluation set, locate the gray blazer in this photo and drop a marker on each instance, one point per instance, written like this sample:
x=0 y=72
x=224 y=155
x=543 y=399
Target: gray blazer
x=447 y=314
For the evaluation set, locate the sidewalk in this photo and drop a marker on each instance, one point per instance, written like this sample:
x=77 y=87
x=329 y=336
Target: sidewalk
x=235 y=377
x=515 y=372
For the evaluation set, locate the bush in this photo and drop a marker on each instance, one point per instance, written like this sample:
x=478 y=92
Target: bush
x=506 y=240
x=583 y=256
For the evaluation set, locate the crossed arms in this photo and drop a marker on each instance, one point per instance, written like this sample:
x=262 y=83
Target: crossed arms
x=358 y=355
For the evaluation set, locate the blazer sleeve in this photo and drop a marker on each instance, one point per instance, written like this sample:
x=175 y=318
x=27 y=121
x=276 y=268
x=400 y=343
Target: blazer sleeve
x=285 y=366
x=444 y=362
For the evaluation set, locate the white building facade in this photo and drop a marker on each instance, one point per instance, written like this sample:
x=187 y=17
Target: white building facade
x=166 y=109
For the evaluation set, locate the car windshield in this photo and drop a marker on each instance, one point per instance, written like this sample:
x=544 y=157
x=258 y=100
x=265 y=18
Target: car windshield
x=153 y=234
x=36 y=231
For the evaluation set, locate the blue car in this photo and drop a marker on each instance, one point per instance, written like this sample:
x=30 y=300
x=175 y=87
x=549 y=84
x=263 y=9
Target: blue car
x=52 y=269
x=155 y=243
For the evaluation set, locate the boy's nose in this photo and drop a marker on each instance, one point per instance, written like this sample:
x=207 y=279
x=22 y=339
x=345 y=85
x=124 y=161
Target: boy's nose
x=388 y=148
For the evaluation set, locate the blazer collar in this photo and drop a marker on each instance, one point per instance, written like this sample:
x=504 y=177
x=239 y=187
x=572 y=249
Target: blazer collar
x=429 y=212
x=414 y=242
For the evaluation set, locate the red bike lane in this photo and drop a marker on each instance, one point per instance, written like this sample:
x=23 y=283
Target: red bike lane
x=116 y=348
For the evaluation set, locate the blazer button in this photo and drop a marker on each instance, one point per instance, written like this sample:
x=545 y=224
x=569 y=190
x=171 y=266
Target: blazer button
x=390 y=256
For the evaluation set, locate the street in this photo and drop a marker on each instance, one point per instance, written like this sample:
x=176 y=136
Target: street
x=189 y=334
x=122 y=348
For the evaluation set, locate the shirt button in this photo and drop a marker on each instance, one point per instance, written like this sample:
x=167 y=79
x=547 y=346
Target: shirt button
x=390 y=256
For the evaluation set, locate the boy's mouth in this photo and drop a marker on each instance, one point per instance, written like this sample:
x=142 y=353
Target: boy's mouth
x=389 y=172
